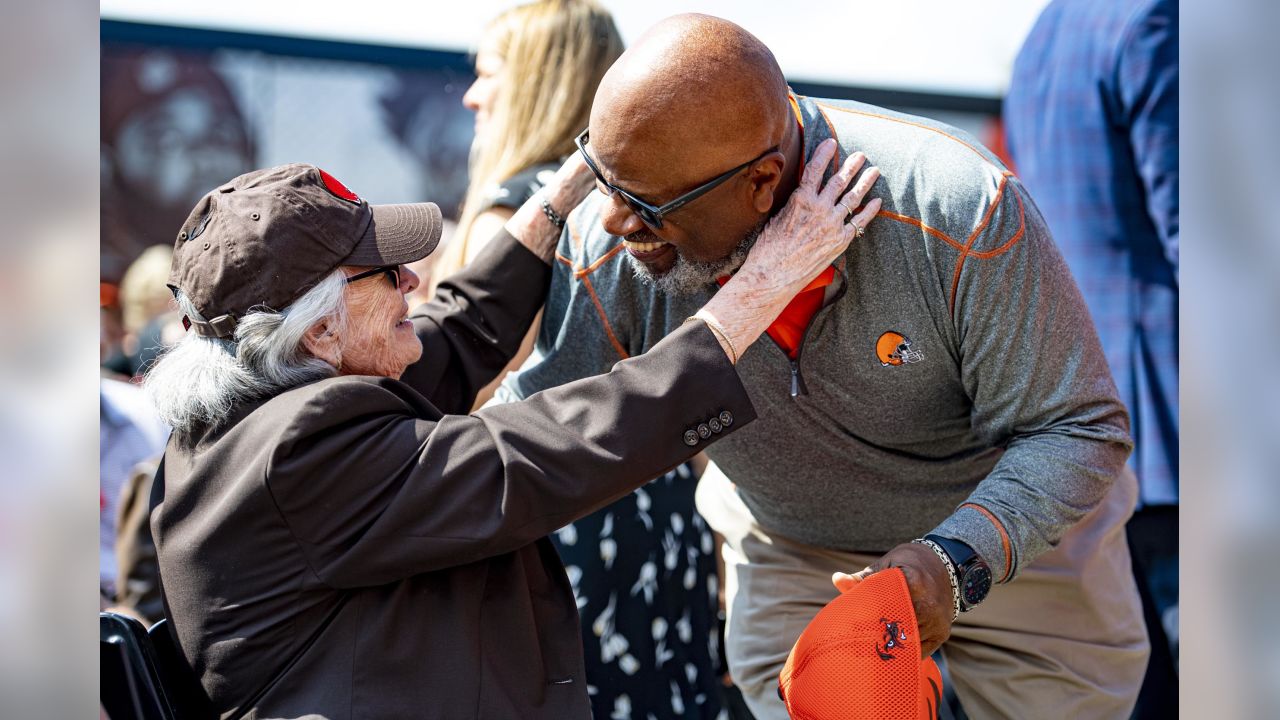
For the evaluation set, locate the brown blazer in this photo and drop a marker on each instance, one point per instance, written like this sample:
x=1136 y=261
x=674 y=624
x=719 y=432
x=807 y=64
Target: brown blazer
x=348 y=549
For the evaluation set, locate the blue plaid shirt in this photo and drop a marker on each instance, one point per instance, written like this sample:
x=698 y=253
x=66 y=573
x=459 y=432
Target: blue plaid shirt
x=1092 y=123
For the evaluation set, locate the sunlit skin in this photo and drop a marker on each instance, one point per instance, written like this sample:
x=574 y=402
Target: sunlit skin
x=480 y=97
x=377 y=339
x=658 y=145
x=694 y=97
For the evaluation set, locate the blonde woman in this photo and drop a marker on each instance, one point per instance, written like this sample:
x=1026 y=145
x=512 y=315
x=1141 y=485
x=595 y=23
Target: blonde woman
x=150 y=320
x=537 y=68
x=643 y=568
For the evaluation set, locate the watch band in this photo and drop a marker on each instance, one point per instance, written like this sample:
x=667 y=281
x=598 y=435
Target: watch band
x=951 y=573
x=972 y=572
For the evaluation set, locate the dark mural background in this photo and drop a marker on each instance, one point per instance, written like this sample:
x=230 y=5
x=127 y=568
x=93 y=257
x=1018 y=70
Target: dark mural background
x=185 y=110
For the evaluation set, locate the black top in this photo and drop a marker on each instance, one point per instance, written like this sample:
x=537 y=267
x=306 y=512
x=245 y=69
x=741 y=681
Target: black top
x=520 y=187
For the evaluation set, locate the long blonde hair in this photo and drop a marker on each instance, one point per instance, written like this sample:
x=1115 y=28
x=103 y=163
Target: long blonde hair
x=554 y=54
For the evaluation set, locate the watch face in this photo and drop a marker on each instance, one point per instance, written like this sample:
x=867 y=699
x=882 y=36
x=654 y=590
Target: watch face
x=976 y=584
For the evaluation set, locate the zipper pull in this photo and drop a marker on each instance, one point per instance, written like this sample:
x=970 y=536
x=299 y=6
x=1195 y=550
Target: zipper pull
x=797 y=381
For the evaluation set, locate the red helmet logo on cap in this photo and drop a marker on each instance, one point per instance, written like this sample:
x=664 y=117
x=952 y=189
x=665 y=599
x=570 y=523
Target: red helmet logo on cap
x=337 y=188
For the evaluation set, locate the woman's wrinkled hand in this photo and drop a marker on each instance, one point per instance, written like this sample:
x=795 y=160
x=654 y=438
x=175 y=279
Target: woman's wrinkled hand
x=565 y=191
x=814 y=228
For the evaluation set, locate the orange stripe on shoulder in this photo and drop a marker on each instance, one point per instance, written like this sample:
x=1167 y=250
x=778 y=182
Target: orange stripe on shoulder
x=1022 y=230
x=1005 y=545
x=603 y=259
x=604 y=318
x=795 y=108
x=863 y=113
x=968 y=250
x=575 y=237
x=920 y=224
x=831 y=129
x=986 y=217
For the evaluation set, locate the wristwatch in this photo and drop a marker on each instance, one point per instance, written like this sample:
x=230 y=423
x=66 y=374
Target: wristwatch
x=973 y=575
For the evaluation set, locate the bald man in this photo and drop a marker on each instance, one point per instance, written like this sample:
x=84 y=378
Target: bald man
x=935 y=401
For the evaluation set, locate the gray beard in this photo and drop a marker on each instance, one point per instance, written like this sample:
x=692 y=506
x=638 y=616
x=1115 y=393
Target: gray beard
x=689 y=277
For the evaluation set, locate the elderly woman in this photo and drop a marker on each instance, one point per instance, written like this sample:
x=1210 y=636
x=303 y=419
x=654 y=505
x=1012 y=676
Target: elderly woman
x=332 y=541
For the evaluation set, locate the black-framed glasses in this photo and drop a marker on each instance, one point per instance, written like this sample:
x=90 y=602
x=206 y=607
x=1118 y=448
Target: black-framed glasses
x=391 y=271
x=647 y=212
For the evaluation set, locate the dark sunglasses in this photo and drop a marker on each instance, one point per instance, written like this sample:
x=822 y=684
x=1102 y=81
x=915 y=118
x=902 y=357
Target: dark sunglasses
x=392 y=272
x=652 y=214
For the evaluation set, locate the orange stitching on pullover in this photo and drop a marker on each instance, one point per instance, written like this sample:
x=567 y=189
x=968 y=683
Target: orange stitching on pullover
x=986 y=218
x=920 y=224
x=966 y=249
x=1022 y=229
x=1005 y=545
x=583 y=274
x=944 y=134
x=604 y=319
x=832 y=129
x=964 y=253
x=795 y=109
x=596 y=265
x=575 y=237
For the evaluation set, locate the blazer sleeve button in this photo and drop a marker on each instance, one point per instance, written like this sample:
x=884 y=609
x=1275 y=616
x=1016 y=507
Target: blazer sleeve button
x=715 y=425
x=726 y=418
x=704 y=431
x=690 y=438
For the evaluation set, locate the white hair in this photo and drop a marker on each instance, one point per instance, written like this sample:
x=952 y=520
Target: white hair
x=198 y=380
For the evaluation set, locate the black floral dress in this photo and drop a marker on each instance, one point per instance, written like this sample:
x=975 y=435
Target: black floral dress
x=644 y=573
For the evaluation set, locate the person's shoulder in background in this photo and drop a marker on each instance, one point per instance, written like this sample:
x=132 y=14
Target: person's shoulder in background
x=517 y=189
x=123 y=402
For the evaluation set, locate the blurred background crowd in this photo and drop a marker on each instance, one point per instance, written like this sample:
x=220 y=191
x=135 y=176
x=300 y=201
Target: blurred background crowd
x=473 y=125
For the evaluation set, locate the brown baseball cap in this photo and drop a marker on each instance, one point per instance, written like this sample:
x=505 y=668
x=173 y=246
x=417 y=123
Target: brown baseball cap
x=268 y=236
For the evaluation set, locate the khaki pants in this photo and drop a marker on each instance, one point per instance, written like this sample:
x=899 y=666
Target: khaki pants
x=1065 y=639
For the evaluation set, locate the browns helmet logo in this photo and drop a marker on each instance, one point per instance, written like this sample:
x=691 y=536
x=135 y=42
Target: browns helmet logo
x=893 y=638
x=894 y=348
x=337 y=189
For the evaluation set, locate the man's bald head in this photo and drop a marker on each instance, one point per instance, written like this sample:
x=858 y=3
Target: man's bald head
x=696 y=93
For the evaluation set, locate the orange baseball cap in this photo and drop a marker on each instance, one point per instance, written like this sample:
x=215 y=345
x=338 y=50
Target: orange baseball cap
x=860 y=658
